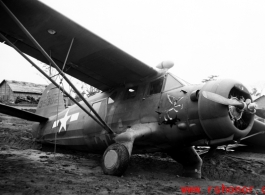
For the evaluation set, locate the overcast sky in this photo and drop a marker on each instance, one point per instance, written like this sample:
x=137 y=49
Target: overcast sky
x=202 y=38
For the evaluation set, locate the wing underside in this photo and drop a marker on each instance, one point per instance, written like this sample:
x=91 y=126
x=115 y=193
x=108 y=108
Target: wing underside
x=91 y=60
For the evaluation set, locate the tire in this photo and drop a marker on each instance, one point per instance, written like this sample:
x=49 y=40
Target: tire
x=115 y=160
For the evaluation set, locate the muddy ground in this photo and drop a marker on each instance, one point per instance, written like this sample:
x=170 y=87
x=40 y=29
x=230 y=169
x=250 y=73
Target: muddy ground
x=29 y=168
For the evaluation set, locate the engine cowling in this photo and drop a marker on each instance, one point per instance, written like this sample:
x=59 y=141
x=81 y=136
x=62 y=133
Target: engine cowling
x=216 y=119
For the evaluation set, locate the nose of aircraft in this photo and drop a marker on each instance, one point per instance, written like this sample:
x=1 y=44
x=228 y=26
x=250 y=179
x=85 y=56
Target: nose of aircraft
x=220 y=119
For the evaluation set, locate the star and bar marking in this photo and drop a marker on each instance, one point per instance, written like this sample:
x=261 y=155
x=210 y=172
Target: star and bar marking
x=63 y=121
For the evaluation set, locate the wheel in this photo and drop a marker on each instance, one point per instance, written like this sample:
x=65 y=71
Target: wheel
x=115 y=160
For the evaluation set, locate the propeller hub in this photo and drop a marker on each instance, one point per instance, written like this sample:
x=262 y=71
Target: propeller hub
x=252 y=107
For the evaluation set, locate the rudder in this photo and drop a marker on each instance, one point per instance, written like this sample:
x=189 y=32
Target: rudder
x=51 y=102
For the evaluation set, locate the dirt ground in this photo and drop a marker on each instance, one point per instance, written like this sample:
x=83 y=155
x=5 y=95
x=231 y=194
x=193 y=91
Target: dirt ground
x=29 y=168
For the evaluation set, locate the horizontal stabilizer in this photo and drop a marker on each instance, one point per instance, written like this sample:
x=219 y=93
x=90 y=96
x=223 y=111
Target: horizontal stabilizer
x=21 y=113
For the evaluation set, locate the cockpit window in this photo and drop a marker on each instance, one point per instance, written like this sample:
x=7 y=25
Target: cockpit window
x=156 y=86
x=112 y=98
x=130 y=92
x=172 y=83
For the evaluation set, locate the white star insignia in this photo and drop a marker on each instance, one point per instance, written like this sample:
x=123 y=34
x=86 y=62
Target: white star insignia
x=64 y=121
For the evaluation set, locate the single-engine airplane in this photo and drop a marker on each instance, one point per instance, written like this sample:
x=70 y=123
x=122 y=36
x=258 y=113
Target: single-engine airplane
x=140 y=109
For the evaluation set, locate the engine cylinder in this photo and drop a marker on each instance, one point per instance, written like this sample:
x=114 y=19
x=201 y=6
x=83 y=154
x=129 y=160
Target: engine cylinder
x=215 y=118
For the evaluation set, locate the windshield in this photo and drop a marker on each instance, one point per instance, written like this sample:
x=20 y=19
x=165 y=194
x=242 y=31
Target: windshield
x=180 y=80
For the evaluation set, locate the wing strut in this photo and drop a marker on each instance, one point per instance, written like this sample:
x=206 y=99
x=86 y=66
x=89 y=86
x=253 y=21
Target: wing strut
x=102 y=122
x=57 y=85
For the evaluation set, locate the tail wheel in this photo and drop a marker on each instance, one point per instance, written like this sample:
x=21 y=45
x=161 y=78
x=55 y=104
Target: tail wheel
x=115 y=160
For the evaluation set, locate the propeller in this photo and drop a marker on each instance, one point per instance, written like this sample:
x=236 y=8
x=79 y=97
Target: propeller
x=222 y=100
x=247 y=105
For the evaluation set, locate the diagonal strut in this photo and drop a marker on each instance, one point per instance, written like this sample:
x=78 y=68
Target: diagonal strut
x=36 y=44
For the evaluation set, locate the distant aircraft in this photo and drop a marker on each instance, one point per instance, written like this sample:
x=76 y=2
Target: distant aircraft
x=140 y=109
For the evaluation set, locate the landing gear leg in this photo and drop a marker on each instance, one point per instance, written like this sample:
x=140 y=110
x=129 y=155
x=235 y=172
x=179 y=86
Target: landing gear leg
x=115 y=160
x=190 y=161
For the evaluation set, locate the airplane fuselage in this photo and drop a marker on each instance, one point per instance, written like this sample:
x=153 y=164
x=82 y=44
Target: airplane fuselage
x=169 y=115
x=170 y=110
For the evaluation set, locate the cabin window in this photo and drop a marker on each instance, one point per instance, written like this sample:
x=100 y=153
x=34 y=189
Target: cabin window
x=112 y=98
x=130 y=92
x=172 y=83
x=96 y=106
x=156 y=86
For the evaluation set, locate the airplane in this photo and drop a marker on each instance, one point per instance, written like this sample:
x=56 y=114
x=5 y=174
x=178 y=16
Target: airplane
x=140 y=109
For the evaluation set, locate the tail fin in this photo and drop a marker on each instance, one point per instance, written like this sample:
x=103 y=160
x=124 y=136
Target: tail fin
x=50 y=102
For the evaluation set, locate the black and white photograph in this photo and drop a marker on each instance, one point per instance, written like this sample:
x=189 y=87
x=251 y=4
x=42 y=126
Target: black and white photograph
x=141 y=97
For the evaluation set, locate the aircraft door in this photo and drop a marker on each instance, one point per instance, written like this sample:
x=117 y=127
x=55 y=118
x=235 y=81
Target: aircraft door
x=97 y=139
x=101 y=108
x=127 y=109
x=91 y=127
x=150 y=102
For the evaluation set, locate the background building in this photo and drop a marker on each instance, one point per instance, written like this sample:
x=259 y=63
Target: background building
x=10 y=90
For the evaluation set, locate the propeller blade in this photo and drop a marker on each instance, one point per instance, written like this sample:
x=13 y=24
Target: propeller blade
x=260 y=113
x=222 y=100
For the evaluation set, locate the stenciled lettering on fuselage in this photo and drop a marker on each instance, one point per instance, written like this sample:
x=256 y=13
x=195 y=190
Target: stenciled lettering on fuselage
x=63 y=121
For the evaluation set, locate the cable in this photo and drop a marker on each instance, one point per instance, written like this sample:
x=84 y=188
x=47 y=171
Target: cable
x=55 y=136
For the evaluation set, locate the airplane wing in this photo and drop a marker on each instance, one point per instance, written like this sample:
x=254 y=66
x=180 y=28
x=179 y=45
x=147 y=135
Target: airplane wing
x=91 y=60
x=21 y=113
